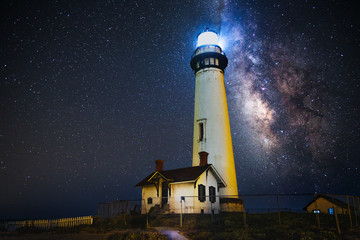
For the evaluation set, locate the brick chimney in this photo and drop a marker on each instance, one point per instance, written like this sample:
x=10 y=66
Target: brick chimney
x=203 y=158
x=159 y=164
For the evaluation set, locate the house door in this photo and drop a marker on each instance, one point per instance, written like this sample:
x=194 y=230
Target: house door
x=164 y=194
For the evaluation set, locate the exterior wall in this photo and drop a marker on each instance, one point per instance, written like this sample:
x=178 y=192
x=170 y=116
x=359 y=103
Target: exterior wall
x=323 y=205
x=177 y=191
x=211 y=107
x=207 y=206
x=149 y=191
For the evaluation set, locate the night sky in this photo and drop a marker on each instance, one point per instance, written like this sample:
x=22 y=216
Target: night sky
x=92 y=92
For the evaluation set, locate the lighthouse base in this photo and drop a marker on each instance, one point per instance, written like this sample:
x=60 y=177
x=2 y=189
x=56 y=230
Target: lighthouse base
x=231 y=205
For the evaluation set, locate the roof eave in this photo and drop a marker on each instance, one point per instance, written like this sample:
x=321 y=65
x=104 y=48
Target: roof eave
x=218 y=175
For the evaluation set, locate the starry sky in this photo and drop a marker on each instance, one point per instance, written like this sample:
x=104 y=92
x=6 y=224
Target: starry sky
x=92 y=92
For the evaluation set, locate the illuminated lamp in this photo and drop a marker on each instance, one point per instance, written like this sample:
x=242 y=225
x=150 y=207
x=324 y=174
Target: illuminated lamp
x=207 y=38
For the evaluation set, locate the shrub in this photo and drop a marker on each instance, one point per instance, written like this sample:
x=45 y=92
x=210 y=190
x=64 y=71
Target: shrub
x=30 y=230
x=137 y=236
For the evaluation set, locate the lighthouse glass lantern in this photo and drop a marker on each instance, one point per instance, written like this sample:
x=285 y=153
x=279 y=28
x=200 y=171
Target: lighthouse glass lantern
x=208 y=53
x=207 y=38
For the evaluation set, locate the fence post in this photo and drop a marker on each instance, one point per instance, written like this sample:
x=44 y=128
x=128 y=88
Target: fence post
x=349 y=212
x=358 y=198
x=278 y=207
x=244 y=214
x=147 y=215
x=212 y=212
x=125 y=211
x=317 y=214
x=337 y=220
x=355 y=213
x=181 y=221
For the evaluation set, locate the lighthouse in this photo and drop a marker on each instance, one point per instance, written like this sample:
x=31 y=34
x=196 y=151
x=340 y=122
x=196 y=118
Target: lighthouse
x=209 y=186
x=212 y=134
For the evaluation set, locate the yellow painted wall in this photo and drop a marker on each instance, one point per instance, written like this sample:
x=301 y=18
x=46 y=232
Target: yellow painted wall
x=211 y=104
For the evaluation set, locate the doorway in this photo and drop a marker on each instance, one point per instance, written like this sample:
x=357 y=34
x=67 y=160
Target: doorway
x=164 y=194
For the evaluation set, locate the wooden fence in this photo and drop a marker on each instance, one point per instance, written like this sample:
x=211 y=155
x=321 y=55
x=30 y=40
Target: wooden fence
x=48 y=223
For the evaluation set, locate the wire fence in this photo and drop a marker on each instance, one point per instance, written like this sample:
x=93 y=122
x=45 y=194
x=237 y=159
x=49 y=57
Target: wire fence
x=327 y=211
x=331 y=212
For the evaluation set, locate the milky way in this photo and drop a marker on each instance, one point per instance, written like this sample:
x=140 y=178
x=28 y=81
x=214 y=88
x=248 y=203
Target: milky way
x=289 y=109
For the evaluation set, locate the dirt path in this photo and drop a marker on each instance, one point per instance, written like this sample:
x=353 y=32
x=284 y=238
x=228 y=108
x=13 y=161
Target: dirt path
x=171 y=233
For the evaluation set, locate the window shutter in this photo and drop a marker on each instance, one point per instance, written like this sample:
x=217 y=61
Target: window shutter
x=201 y=193
x=212 y=194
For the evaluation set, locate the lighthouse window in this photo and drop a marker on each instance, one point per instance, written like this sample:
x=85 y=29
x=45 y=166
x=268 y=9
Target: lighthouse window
x=201 y=193
x=216 y=62
x=202 y=129
x=201 y=132
x=211 y=61
x=207 y=61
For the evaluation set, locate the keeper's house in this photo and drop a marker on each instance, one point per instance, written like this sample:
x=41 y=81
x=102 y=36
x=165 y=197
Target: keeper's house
x=182 y=190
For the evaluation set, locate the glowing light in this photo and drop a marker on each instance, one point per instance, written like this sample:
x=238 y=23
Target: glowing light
x=222 y=42
x=207 y=38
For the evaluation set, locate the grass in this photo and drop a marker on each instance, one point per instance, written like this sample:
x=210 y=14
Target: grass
x=302 y=226
x=258 y=226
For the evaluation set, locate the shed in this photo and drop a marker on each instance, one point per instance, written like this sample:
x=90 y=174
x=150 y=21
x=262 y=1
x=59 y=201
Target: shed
x=326 y=204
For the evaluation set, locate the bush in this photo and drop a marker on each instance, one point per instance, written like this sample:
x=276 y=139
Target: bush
x=30 y=230
x=138 y=236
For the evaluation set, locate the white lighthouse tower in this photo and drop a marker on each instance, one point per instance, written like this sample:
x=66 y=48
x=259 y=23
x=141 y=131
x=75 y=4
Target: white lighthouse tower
x=211 y=118
x=210 y=185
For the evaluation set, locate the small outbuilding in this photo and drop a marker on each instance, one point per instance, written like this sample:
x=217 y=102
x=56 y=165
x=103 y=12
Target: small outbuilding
x=182 y=190
x=326 y=204
x=117 y=208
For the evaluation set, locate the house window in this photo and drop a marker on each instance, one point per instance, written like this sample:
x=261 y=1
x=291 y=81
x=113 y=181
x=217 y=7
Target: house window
x=216 y=62
x=331 y=211
x=212 y=194
x=149 y=200
x=201 y=193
